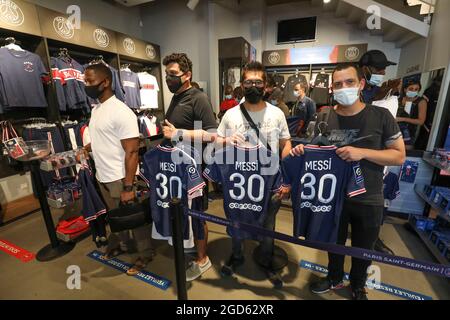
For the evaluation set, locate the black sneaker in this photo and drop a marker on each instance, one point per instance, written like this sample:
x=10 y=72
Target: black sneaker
x=324 y=285
x=359 y=294
x=229 y=268
x=381 y=247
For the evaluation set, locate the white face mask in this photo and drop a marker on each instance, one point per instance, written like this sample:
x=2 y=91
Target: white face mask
x=346 y=97
x=296 y=94
x=229 y=97
x=376 y=80
x=274 y=102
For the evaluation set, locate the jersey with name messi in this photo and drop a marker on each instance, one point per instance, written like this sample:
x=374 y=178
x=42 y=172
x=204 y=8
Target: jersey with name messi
x=248 y=178
x=320 y=182
x=170 y=173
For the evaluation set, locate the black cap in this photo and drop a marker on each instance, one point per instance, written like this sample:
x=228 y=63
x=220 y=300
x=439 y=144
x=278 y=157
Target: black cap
x=376 y=59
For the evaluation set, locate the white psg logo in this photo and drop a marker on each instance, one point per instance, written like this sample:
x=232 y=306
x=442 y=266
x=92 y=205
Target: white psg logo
x=274 y=58
x=129 y=46
x=150 y=51
x=101 y=38
x=10 y=13
x=352 y=53
x=63 y=27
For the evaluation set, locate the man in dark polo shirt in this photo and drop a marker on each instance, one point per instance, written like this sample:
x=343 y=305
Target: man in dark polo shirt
x=189 y=106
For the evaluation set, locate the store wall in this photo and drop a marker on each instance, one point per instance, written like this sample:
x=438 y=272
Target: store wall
x=412 y=59
x=177 y=29
x=223 y=23
x=114 y=17
x=438 y=50
x=330 y=31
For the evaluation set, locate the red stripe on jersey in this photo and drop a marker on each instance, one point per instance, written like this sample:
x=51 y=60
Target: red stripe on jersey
x=357 y=192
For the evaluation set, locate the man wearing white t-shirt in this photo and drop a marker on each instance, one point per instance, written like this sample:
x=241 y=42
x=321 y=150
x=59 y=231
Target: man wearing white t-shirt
x=114 y=136
x=273 y=133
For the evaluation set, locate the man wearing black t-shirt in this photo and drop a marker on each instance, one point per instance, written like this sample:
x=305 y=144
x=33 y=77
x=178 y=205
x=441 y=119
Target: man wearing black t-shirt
x=383 y=147
x=188 y=107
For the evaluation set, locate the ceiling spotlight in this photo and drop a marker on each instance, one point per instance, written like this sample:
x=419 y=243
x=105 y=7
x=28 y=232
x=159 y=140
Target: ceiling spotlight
x=192 y=4
x=326 y=1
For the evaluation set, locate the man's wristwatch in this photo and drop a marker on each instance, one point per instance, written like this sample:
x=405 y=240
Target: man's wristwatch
x=128 y=188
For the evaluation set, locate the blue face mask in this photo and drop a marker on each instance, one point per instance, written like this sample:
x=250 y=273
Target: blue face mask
x=412 y=94
x=229 y=97
x=274 y=102
x=346 y=97
x=376 y=80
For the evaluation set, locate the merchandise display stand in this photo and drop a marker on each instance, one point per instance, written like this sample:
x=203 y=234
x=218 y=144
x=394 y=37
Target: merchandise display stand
x=56 y=248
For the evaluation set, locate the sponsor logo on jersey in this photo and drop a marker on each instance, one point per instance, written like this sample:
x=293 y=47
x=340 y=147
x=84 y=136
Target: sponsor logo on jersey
x=148 y=86
x=10 y=13
x=245 y=206
x=193 y=173
x=313 y=208
x=63 y=27
x=162 y=204
x=150 y=51
x=71 y=74
x=28 y=66
x=101 y=38
x=129 y=46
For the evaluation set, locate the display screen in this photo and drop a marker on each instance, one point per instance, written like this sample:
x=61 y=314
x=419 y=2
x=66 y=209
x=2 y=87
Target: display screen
x=296 y=30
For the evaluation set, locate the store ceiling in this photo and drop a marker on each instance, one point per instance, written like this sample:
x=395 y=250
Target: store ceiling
x=132 y=3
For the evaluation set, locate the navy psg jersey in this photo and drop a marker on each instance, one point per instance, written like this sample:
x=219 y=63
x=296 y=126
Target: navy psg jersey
x=132 y=88
x=320 y=183
x=248 y=180
x=170 y=173
x=391 y=187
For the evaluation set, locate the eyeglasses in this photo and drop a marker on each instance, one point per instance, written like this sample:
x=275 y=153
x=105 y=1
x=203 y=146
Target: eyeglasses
x=256 y=83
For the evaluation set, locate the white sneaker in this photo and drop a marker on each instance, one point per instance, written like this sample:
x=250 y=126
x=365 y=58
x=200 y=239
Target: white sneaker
x=195 y=270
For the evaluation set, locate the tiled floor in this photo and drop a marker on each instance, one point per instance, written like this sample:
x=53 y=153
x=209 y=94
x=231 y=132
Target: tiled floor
x=35 y=280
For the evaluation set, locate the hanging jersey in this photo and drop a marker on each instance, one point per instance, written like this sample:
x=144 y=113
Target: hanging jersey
x=170 y=173
x=93 y=206
x=131 y=86
x=290 y=84
x=149 y=91
x=249 y=181
x=21 y=75
x=68 y=74
x=320 y=181
x=391 y=188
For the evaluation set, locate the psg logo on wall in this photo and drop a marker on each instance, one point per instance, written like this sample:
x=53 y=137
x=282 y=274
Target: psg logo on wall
x=274 y=58
x=150 y=51
x=10 y=13
x=352 y=53
x=101 y=38
x=129 y=46
x=63 y=27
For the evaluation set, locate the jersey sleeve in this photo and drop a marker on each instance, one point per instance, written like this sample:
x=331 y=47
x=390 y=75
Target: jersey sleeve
x=355 y=184
x=212 y=173
x=290 y=167
x=144 y=173
x=278 y=182
x=194 y=182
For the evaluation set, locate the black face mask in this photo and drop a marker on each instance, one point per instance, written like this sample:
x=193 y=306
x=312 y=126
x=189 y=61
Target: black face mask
x=174 y=83
x=254 y=94
x=94 y=92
